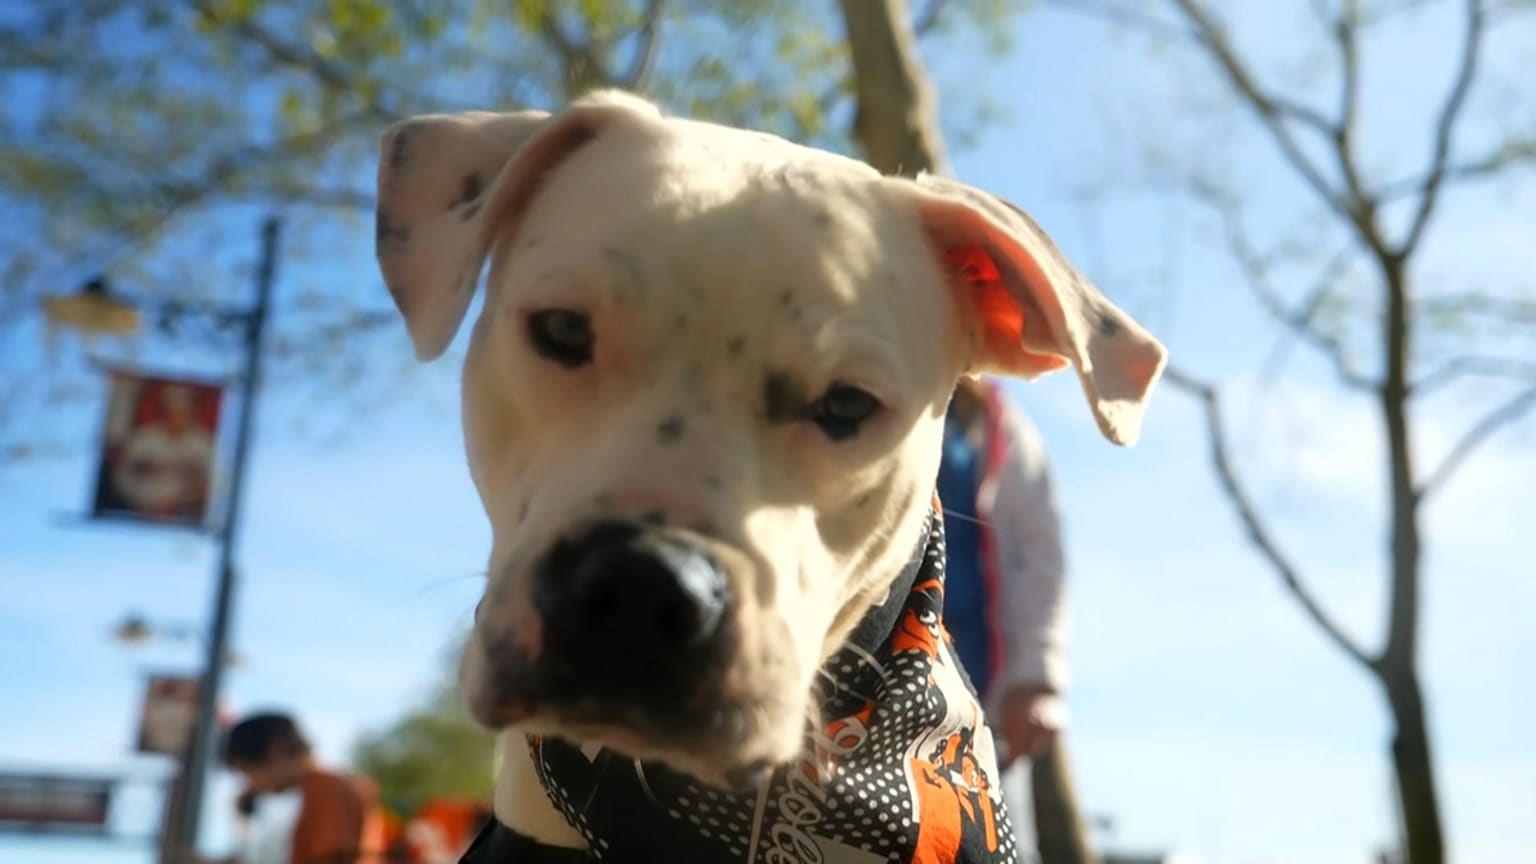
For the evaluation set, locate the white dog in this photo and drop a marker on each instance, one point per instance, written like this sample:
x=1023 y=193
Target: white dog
x=703 y=405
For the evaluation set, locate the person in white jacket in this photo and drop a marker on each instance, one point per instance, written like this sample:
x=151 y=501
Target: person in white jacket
x=1005 y=596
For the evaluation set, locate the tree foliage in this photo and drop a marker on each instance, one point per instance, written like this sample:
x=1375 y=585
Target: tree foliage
x=432 y=751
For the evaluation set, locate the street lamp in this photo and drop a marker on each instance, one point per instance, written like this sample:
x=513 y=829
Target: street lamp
x=134 y=630
x=95 y=310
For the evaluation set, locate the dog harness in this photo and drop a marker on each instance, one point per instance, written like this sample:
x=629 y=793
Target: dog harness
x=902 y=770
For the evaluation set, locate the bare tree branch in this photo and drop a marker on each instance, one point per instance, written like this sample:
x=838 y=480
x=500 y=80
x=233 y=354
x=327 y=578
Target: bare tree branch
x=1253 y=524
x=1430 y=191
x=1272 y=111
x=1510 y=154
x=1507 y=412
x=1346 y=35
x=1480 y=366
x=1255 y=266
x=1504 y=310
x=645 y=53
x=1302 y=322
x=1128 y=16
x=329 y=198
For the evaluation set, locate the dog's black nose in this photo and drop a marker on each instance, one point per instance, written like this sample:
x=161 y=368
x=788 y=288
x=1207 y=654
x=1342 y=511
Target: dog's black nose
x=628 y=610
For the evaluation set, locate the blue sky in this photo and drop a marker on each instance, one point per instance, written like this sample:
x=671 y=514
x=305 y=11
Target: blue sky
x=1207 y=715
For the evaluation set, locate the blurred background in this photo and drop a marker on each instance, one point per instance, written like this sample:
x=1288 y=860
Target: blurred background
x=1301 y=606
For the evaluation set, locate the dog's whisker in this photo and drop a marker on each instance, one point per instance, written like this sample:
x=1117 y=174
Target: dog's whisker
x=841 y=687
x=644 y=785
x=438 y=584
x=869 y=659
x=965 y=517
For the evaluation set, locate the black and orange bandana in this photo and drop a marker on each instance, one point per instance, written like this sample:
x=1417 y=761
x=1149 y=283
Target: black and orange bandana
x=904 y=771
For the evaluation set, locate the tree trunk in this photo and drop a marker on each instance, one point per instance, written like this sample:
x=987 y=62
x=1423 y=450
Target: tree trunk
x=1420 y=808
x=1058 y=824
x=1411 y=763
x=896 y=120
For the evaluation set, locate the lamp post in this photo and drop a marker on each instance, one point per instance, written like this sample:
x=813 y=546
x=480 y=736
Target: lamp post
x=134 y=630
x=94 y=310
x=218 y=630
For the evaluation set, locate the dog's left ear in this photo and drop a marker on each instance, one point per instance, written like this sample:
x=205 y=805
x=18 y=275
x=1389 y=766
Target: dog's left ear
x=1033 y=312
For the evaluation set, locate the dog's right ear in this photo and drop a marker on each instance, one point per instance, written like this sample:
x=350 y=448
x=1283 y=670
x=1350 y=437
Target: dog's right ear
x=447 y=183
x=1032 y=311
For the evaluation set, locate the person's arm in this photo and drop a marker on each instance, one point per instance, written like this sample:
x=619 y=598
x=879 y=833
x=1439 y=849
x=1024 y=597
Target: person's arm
x=1026 y=530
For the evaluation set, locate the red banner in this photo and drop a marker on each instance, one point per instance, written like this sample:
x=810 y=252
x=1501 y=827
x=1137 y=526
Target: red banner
x=157 y=449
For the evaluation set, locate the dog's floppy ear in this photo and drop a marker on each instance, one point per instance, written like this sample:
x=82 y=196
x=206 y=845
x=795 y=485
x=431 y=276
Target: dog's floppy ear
x=1033 y=311
x=447 y=183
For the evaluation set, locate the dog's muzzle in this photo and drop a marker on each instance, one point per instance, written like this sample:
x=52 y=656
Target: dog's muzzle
x=635 y=620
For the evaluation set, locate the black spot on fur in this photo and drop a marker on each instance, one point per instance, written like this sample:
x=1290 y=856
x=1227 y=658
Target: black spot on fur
x=389 y=236
x=469 y=190
x=736 y=345
x=786 y=297
x=670 y=430
x=713 y=482
x=680 y=322
x=399 y=151
x=822 y=218
x=654 y=517
x=1108 y=325
x=783 y=401
x=530 y=242
x=864 y=500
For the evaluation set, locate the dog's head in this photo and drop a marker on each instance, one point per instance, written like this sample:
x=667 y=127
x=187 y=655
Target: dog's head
x=703 y=401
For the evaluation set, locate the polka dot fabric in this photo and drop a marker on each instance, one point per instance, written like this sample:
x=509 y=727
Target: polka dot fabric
x=902 y=771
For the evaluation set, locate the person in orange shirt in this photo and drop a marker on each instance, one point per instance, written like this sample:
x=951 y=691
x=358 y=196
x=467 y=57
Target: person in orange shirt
x=340 y=820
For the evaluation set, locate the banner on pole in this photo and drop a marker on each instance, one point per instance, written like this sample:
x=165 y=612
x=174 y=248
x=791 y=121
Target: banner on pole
x=168 y=714
x=157 y=449
x=39 y=802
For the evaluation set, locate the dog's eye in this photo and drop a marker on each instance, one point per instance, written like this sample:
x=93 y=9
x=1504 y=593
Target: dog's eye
x=561 y=335
x=842 y=410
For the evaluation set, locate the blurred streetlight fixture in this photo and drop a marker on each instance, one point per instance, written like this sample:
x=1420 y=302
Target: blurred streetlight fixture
x=136 y=630
x=93 y=311
x=133 y=630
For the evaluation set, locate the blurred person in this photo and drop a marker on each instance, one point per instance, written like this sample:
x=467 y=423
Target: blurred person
x=1004 y=597
x=339 y=819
